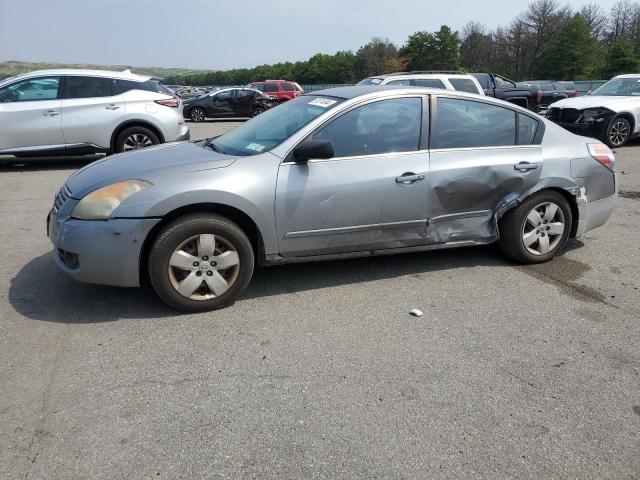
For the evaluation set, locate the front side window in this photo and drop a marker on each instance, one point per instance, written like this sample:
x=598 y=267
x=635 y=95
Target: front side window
x=467 y=124
x=224 y=95
x=271 y=128
x=88 y=87
x=429 y=82
x=245 y=93
x=381 y=127
x=464 y=85
x=33 y=89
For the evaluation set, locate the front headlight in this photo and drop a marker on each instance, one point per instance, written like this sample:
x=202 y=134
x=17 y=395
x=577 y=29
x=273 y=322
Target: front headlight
x=593 y=114
x=100 y=204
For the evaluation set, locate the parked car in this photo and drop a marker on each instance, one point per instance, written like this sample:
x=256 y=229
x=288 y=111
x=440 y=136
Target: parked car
x=227 y=103
x=505 y=89
x=609 y=113
x=345 y=172
x=445 y=80
x=568 y=87
x=550 y=91
x=281 y=90
x=62 y=112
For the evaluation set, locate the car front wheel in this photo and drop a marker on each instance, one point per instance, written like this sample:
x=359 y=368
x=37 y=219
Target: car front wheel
x=197 y=114
x=536 y=230
x=200 y=262
x=618 y=132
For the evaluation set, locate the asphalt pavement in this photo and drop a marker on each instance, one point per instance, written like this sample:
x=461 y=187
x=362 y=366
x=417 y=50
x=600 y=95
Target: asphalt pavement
x=319 y=371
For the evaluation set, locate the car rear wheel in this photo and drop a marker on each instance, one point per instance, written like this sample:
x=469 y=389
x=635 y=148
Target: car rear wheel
x=200 y=262
x=197 y=114
x=135 y=138
x=538 y=229
x=618 y=132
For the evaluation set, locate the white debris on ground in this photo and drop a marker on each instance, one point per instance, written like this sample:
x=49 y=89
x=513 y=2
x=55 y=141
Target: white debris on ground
x=416 y=313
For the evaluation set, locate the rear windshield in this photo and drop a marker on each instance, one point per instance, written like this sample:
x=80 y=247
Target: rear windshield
x=370 y=81
x=271 y=128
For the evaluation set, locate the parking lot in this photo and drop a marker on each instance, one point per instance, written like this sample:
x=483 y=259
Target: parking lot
x=319 y=371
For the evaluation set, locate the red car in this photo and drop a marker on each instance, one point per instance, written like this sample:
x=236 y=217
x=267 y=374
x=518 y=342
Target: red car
x=282 y=90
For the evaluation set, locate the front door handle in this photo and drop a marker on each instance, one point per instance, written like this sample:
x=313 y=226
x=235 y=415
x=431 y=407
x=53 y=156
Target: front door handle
x=112 y=106
x=526 y=166
x=51 y=113
x=409 y=178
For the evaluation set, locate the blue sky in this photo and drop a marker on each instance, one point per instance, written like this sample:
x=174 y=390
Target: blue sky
x=221 y=34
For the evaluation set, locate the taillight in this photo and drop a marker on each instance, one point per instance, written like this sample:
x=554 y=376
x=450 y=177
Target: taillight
x=602 y=153
x=172 y=102
x=539 y=96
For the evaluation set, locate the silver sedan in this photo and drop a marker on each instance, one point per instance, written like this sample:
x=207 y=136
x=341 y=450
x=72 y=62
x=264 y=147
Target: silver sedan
x=340 y=173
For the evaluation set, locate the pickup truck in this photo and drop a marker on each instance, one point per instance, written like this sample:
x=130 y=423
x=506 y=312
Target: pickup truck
x=499 y=87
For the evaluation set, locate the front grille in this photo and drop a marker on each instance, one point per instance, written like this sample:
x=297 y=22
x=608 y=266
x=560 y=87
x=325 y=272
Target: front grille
x=62 y=196
x=564 y=115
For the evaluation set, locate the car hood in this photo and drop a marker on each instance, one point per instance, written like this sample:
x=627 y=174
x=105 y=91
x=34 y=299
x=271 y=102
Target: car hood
x=616 y=104
x=147 y=164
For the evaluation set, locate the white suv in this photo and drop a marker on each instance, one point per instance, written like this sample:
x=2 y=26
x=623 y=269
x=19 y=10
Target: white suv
x=61 y=112
x=445 y=80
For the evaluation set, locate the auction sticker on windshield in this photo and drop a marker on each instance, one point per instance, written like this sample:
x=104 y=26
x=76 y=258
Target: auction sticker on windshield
x=255 y=146
x=323 y=102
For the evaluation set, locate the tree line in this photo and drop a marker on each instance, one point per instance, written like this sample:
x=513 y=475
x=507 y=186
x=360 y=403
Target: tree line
x=549 y=40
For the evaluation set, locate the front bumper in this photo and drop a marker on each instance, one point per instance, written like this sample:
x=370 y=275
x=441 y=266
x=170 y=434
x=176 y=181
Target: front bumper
x=592 y=129
x=104 y=252
x=185 y=134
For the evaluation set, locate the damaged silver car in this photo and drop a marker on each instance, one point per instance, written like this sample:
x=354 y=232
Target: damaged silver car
x=346 y=172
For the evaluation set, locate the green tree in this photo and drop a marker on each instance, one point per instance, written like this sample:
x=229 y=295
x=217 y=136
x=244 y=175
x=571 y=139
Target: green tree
x=432 y=51
x=572 y=54
x=620 y=58
x=375 y=58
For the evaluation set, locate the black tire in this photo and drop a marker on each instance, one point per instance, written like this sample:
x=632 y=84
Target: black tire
x=257 y=111
x=141 y=133
x=514 y=223
x=618 y=132
x=176 y=233
x=197 y=114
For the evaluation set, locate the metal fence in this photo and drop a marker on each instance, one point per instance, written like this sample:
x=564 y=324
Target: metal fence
x=584 y=86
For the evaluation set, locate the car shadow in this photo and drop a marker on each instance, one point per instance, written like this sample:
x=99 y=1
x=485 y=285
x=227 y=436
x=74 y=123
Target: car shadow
x=15 y=164
x=40 y=291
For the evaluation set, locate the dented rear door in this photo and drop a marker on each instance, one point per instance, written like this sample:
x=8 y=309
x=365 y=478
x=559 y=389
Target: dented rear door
x=469 y=179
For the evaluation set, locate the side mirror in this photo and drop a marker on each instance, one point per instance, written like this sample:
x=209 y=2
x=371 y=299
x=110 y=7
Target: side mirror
x=313 y=149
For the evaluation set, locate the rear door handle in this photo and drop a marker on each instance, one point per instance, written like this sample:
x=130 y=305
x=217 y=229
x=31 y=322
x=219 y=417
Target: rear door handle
x=51 y=113
x=112 y=106
x=526 y=166
x=409 y=177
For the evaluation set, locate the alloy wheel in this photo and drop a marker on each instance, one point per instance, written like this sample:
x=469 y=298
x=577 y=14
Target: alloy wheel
x=136 y=141
x=203 y=267
x=197 y=115
x=618 y=133
x=543 y=228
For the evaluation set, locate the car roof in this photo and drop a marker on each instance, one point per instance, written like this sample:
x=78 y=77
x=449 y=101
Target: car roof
x=387 y=90
x=411 y=75
x=125 y=75
x=628 y=75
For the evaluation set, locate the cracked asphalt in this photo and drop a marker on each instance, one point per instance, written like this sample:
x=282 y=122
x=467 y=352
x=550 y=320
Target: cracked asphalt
x=319 y=371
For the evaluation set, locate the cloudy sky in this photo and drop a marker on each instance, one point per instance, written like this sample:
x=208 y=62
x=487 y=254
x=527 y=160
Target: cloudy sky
x=224 y=34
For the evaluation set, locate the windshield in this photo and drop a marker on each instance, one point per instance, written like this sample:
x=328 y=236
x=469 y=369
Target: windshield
x=619 y=87
x=370 y=81
x=271 y=128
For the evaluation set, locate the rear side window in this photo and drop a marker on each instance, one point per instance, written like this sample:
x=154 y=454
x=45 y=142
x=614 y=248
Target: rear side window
x=429 y=82
x=244 y=93
x=270 y=87
x=151 y=85
x=380 y=127
x=31 y=90
x=469 y=124
x=287 y=87
x=464 y=85
x=527 y=129
x=483 y=79
x=89 y=87
x=547 y=86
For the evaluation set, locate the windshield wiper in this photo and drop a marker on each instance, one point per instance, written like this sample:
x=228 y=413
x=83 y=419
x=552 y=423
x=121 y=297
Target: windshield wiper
x=209 y=143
